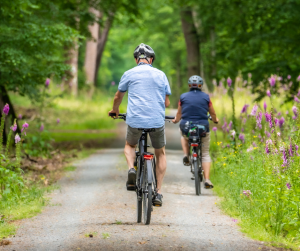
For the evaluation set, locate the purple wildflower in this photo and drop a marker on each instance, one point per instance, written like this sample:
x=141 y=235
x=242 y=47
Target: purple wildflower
x=289 y=77
x=234 y=220
x=233 y=133
x=258 y=120
x=42 y=128
x=245 y=107
x=17 y=139
x=291 y=151
x=267 y=149
x=57 y=121
x=296 y=99
x=272 y=81
x=295 y=111
x=6 y=109
x=224 y=125
x=47 y=82
x=228 y=145
x=298 y=94
x=14 y=127
x=229 y=81
x=278 y=134
x=242 y=137
x=279 y=114
x=298 y=79
x=242 y=129
x=268 y=93
x=214 y=129
x=254 y=144
x=269 y=119
x=250 y=149
x=230 y=125
x=25 y=125
x=254 y=110
x=288 y=185
x=276 y=120
x=281 y=122
x=247 y=193
x=20 y=116
x=265 y=106
x=287 y=112
x=284 y=157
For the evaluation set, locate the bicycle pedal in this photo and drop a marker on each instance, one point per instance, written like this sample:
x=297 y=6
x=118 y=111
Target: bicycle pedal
x=157 y=205
x=130 y=187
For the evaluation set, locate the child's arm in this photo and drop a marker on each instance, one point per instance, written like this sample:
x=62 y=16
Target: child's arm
x=178 y=115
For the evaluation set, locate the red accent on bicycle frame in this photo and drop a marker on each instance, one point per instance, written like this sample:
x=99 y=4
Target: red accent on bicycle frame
x=148 y=156
x=195 y=155
x=194 y=144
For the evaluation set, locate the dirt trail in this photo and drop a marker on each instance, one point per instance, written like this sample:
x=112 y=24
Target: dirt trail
x=93 y=200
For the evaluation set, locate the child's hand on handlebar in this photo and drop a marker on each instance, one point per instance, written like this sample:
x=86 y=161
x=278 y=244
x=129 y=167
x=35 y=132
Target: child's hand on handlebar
x=217 y=121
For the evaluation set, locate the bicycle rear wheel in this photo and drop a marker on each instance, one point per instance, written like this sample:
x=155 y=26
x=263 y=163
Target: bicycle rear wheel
x=147 y=192
x=197 y=177
x=139 y=193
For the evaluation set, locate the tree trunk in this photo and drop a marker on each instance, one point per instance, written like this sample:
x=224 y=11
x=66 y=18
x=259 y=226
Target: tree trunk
x=4 y=99
x=91 y=50
x=192 y=42
x=103 y=35
x=213 y=52
x=72 y=61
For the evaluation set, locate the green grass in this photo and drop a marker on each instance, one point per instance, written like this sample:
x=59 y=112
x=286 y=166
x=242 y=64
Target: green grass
x=70 y=137
x=105 y=235
x=70 y=168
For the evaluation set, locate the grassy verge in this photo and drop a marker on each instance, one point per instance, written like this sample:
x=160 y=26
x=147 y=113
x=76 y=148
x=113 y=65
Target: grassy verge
x=36 y=195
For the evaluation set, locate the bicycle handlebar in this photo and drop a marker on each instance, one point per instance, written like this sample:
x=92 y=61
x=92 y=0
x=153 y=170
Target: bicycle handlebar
x=123 y=116
x=210 y=118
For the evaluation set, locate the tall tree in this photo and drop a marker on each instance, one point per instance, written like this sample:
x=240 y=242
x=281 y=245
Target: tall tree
x=191 y=40
x=91 y=49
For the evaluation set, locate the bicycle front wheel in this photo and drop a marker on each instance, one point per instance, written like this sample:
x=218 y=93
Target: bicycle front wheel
x=197 y=177
x=147 y=192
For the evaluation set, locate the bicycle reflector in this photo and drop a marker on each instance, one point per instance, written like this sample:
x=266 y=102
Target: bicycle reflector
x=194 y=144
x=148 y=156
x=195 y=155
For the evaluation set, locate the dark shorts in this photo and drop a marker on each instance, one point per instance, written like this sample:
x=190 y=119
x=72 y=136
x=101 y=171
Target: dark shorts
x=158 y=138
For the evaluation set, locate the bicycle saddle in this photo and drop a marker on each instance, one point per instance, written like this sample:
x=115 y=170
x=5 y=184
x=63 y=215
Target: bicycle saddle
x=147 y=129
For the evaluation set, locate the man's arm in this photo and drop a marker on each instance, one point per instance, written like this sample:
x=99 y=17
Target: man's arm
x=178 y=115
x=117 y=101
x=167 y=101
x=212 y=113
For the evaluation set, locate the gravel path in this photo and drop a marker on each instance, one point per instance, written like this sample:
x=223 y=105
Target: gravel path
x=93 y=200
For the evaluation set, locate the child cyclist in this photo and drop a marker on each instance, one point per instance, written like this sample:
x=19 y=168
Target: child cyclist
x=192 y=109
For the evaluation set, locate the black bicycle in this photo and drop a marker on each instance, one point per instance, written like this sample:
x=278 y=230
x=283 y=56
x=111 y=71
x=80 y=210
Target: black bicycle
x=145 y=187
x=195 y=135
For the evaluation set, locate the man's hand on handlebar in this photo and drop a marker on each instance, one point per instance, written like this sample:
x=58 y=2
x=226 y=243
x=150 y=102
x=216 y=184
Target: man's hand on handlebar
x=114 y=111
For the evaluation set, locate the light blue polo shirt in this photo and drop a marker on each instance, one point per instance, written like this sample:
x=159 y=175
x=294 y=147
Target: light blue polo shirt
x=147 y=89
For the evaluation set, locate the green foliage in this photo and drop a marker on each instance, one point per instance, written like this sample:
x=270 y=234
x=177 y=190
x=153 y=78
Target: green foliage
x=160 y=27
x=251 y=36
x=31 y=41
x=38 y=144
x=259 y=178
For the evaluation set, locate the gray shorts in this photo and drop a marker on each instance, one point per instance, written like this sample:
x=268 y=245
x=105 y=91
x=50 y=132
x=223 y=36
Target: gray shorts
x=158 y=138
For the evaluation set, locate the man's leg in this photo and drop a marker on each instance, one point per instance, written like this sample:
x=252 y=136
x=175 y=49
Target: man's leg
x=161 y=167
x=129 y=152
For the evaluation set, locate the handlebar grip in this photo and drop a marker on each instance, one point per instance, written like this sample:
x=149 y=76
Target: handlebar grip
x=112 y=114
x=169 y=117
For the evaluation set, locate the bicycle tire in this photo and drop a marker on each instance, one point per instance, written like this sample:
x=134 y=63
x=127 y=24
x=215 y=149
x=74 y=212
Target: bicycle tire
x=139 y=194
x=139 y=208
x=147 y=196
x=197 y=177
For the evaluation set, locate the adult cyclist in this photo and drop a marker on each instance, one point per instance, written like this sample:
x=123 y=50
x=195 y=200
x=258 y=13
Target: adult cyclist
x=192 y=109
x=148 y=95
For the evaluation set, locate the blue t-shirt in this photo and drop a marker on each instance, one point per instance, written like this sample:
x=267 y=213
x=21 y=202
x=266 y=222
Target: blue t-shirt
x=147 y=89
x=194 y=107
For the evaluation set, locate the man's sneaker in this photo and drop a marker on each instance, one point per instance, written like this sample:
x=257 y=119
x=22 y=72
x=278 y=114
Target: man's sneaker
x=208 y=184
x=157 y=200
x=130 y=184
x=186 y=161
x=193 y=176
